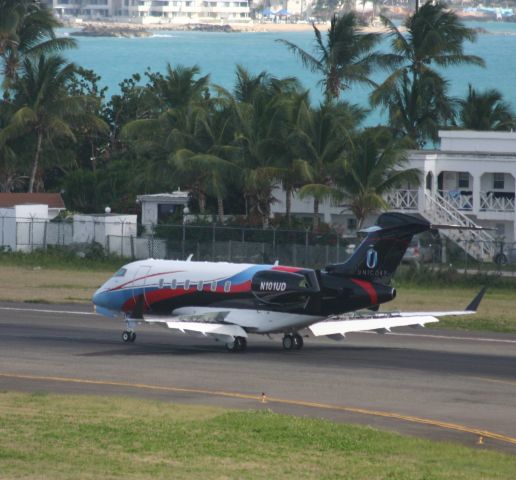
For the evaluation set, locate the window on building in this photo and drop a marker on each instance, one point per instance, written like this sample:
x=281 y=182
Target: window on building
x=463 y=180
x=187 y=284
x=498 y=181
x=227 y=286
x=351 y=224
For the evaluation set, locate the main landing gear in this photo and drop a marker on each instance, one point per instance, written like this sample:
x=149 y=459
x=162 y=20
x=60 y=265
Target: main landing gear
x=128 y=336
x=239 y=344
x=293 y=341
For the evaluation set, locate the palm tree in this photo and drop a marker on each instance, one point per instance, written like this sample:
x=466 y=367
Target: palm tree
x=172 y=104
x=346 y=58
x=45 y=109
x=373 y=167
x=26 y=30
x=486 y=111
x=321 y=138
x=261 y=107
x=203 y=156
x=415 y=94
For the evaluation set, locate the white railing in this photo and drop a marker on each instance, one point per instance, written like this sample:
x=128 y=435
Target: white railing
x=403 y=199
x=496 y=202
x=460 y=201
x=477 y=243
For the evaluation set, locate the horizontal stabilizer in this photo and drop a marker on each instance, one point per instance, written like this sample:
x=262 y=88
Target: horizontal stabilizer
x=336 y=327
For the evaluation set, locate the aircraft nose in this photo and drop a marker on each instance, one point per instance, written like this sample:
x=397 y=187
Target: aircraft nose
x=99 y=298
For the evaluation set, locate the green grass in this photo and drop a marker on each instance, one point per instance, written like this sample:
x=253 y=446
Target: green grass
x=58 y=258
x=57 y=437
x=496 y=311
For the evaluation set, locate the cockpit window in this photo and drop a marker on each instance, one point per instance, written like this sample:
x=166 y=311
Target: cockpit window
x=120 y=272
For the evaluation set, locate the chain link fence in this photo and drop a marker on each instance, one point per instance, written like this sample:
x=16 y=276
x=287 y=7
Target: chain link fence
x=237 y=244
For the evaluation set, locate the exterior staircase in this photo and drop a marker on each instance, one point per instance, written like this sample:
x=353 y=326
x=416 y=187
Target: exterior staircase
x=478 y=243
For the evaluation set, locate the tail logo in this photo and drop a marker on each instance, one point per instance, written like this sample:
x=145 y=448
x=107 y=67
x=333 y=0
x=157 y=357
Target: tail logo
x=372 y=258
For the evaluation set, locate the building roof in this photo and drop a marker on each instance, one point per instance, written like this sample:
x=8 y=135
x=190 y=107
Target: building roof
x=53 y=200
x=178 y=197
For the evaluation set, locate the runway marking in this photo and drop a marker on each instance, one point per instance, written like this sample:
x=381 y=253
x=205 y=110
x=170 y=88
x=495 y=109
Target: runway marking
x=496 y=380
x=399 y=334
x=445 y=337
x=43 y=310
x=324 y=406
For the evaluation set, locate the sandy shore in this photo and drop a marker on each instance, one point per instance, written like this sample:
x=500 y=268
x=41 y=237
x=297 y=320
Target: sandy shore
x=237 y=27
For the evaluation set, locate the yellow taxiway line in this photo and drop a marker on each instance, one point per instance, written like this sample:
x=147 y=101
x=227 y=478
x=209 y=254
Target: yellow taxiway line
x=273 y=400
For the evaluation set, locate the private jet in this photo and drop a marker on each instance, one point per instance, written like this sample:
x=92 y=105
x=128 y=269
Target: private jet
x=229 y=301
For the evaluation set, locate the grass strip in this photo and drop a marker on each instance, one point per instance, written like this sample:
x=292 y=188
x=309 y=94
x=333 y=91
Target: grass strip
x=57 y=437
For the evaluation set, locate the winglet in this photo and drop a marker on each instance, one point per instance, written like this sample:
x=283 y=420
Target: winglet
x=137 y=313
x=472 y=307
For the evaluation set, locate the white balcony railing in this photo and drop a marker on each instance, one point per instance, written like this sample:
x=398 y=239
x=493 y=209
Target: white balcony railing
x=458 y=200
x=497 y=201
x=403 y=199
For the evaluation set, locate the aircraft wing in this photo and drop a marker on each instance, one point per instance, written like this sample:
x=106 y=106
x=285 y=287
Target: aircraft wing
x=337 y=329
x=383 y=322
x=206 y=324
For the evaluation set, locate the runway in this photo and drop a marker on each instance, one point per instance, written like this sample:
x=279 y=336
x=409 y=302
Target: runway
x=431 y=383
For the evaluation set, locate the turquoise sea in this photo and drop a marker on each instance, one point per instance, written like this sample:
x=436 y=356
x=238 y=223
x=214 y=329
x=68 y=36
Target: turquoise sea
x=217 y=54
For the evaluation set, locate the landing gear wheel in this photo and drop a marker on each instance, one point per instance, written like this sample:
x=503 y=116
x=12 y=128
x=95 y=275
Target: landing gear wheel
x=239 y=344
x=126 y=336
x=133 y=337
x=298 y=341
x=288 y=342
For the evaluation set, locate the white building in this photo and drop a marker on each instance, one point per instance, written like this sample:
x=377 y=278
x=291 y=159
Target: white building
x=158 y=207
x=23 y=226
x=469 y=181
x=168 y=11
x=86 y=8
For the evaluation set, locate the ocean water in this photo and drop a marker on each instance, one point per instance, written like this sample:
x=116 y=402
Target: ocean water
x=217 y=54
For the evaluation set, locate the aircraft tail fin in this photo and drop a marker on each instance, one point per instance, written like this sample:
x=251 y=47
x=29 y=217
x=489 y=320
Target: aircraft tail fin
x=379 y=254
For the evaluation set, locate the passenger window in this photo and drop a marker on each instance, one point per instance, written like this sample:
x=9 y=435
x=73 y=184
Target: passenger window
x=200 y=285
x=227 y=286
x=213 y=286
x=173 y=284
x=187 y=284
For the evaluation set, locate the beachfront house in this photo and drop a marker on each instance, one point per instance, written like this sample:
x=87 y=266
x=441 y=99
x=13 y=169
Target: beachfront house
x=468 y=181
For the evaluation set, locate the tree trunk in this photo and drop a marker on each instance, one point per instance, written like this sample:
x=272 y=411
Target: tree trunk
x=202 y=203
x=288 y=205
x=220 y=208
x=316 y=214
x=35 y=162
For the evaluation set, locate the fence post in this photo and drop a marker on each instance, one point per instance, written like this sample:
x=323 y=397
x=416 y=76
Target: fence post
x=131 y=242
x=274 y=243
x=45 y=235
x=306 y=245
x=31 y=234
x=213 y=239
x=229 y=250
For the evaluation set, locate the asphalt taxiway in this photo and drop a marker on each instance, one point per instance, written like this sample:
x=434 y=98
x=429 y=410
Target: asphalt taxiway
x=432 y=383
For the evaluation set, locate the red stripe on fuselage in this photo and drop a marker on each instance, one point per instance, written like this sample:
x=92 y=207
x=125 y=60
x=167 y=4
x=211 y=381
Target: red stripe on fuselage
x=369 y=288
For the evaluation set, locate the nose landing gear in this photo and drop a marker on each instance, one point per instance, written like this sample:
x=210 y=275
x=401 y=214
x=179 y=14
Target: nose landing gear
x=128 y=336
